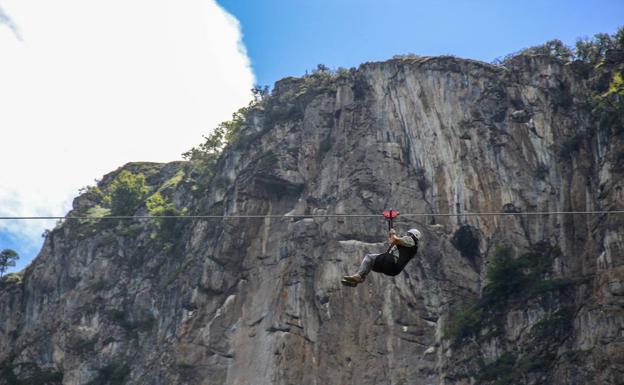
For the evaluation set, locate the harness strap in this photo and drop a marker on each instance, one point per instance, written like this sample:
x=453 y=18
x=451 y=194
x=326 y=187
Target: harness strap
x=415 y=239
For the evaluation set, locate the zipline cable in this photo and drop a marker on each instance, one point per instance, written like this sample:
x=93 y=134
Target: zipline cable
x=304 y=216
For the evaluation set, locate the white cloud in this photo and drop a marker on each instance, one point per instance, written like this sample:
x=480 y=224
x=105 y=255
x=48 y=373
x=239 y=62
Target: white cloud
x=6 y=20
x=96 y=84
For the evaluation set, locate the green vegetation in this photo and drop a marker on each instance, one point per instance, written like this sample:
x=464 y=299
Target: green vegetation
x=204 y=157
x=224 y=133
x=100 y=284
x=500 y=371
x=126 y=193
x=608 y=106
x=157 y=205
x=39 y=376
x=173 y=181
x=605 y=54
x=91 y=192
x=130 y=229
x=406 y=56
x=466 y=240
x=82 y=345
x=14 y=278
x=121 y=197
x=177 y=272
x=571 y=146
x=465 y=322
x=541 y=172
x=98 y=212
x=287 y=105
x=592 y=51
x=511 y=280
x=554 y=48
x=112 y=374
x=8 y=257
x=421 y=180
x=290 y=104
x=132 y=327
x=536 y=357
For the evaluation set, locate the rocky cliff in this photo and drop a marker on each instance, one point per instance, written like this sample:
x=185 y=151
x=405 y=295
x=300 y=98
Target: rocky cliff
x=490 y=299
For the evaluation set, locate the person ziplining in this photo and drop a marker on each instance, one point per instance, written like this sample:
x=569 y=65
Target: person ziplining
x=393 y=261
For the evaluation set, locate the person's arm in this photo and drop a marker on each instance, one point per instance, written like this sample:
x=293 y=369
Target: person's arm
x=393 y=239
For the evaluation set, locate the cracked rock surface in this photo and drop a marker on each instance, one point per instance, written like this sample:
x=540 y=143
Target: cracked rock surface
x=259 y=301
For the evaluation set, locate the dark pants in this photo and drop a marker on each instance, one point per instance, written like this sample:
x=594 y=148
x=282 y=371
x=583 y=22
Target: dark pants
x=386 y=263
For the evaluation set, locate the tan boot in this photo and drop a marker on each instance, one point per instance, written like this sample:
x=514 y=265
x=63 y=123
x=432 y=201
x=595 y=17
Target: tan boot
x=355 y=278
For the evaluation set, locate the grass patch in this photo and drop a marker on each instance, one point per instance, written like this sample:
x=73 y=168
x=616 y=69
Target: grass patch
x=97 y=211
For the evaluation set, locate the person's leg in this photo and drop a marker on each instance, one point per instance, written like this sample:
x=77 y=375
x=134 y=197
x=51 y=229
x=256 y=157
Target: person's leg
x=365 y=267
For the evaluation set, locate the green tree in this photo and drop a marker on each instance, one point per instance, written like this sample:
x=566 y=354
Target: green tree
x=126 y=192
x=593 y=51
x=203 y=158
x=7 y=259
x=322 y=68
x=554 y=48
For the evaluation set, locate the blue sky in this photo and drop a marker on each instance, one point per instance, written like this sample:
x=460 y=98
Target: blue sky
x=88 y=86
x=286 y=37
x=281 y=37
x=26 y=248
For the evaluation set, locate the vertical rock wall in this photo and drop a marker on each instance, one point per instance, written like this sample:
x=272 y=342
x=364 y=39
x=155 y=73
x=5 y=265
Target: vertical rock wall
x=258 y=300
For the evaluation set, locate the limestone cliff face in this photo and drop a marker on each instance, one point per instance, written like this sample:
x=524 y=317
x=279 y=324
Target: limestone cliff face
x=258 y=300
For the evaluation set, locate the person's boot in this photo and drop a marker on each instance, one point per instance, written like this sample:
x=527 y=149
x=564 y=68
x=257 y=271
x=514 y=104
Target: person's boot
x=355 y=278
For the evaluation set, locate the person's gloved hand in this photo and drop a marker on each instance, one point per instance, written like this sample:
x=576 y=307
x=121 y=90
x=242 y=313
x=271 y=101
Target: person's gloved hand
x=391 y=237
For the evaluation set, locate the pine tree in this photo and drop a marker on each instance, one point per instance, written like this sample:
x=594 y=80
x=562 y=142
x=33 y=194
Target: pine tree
x=7 y=259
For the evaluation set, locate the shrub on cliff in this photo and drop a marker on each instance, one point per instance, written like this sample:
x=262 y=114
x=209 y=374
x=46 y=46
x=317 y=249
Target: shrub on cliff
x=203 y=158
x=288 y=104
x=126 y=193
x=589 y=50
x=510 y=280
x=609 y=105
x=157 y=205
x=554 y=48
x=595 y=50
